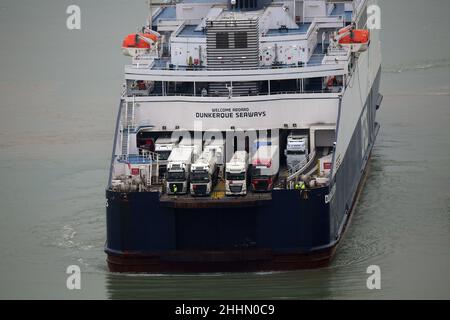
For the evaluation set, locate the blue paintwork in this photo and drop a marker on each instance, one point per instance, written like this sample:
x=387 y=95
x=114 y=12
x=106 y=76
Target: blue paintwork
x=190 y=32
x=167 y=13
x=302 y=29
x=287 y=223
x=339 y=10
x=135 y=159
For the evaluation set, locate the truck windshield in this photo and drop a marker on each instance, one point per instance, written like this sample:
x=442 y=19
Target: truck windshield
x=176 y=176
x=163 y=155
x=199 y=177
x=295 y=152
x=236 y=176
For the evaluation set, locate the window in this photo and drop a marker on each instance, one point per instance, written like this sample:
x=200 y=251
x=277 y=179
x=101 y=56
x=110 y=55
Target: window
x=222 y=40
x=240 y=40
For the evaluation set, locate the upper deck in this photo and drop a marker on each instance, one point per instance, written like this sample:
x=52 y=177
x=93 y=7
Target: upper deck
x=208 y=42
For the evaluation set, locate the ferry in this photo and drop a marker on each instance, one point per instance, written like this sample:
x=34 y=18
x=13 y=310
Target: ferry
x=243 y=135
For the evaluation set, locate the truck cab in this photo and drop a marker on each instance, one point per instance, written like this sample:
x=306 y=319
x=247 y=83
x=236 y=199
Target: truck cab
x=265 y=167
x=204 y=173
x=178 y=168
x=236 y=172
x=297 y=150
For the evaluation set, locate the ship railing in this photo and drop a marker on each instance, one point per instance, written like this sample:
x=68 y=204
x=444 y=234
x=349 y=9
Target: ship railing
x=299 y=170
x=146 y=158
x=325 y=19
x=336 y=51
x=166 y=65
x=246 y=95
x=143 y=158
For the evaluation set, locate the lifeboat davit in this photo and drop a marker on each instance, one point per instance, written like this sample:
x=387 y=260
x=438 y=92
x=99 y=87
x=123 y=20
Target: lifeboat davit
x=356 y=39
x=136 y=44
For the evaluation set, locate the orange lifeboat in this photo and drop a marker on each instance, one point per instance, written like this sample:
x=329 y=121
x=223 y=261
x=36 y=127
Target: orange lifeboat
x=354 y=36
x=356 y=39
x=138 y=43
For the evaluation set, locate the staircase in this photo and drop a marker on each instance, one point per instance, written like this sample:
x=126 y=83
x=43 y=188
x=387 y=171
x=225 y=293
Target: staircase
x=300 y=168
x=127 y=126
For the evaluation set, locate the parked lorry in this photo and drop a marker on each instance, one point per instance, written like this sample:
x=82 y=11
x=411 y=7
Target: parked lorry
x=296 y=151
x=178 y=168
x=218 y=146
x=262 y=142
x=196 y=144
x=204 y=174
x=163 y=147
x=236 y=174
x=265 y=167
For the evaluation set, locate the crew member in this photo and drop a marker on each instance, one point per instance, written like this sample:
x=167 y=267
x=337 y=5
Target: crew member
x=174 y=188
x=302 y=186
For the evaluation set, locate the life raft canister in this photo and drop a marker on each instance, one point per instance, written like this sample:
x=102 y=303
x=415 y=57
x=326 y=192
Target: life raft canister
x=355 y=36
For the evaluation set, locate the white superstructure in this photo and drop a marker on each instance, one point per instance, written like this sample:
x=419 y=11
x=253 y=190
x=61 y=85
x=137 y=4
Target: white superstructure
x=237 y=68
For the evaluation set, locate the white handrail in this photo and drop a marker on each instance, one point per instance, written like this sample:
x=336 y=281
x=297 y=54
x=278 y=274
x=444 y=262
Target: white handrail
x=312 y=157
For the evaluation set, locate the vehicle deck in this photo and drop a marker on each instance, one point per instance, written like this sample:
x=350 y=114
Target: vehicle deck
x=187 y=201
x=217 y=199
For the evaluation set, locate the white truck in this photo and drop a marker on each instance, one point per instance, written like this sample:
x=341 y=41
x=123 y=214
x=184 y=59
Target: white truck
x=219 y=149
x=178 y=168
x=204 y=173
x=236 y=173
x=296 y=151
x=163 y=147
x=265 y=167
x=196 y=144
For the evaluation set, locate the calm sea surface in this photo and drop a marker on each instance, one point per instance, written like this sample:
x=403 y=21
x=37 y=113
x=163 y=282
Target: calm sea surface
x=59 y=91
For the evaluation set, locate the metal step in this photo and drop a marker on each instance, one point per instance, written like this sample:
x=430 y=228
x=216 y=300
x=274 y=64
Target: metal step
x=125 y=138
x=127 y=125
